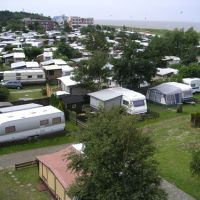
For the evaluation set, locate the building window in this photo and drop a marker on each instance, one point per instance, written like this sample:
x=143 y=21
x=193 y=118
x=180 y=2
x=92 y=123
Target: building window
x=56 y=120
x=73 y=106
x=39 y=76
x=125 y=102
x=10 y=129
x=51 y=73
x=44 y=122
x=30 y=76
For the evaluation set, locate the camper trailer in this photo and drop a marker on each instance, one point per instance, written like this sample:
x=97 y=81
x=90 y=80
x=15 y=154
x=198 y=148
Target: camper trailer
x=30 y=123
x=134 y=102
x=25 y=76
x=194 y=83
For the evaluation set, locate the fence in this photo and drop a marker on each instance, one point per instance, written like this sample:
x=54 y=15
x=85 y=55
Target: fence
x=25 y=164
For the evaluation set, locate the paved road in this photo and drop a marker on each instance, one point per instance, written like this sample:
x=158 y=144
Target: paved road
x=8 y=161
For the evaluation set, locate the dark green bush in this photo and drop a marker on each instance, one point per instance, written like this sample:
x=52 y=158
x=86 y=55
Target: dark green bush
x=195 y=120
x=4 y=93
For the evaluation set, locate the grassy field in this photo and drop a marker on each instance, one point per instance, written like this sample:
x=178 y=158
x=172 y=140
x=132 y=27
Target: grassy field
x=174 y=138
x=70 y=137
x=21 y=185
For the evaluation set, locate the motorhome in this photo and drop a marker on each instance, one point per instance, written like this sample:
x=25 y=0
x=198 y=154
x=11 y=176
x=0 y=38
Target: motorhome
x=30 y=123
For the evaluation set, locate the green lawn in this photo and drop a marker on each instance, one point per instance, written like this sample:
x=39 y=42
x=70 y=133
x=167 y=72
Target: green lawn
x=174 y=138
x=70 y=137
x=21 y=185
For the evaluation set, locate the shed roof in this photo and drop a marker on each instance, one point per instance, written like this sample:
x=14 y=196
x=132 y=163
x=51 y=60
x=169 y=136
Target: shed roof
x=57 y=163
x=51 y=67
x=105 y=94
x=67 y=81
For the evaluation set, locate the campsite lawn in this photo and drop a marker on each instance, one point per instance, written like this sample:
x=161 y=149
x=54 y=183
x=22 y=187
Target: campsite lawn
x=70 y=136
x=21 y=184
x=174 y=138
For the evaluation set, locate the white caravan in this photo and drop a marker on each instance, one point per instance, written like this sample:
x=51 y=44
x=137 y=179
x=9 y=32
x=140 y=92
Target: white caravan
x=25 y=76
x=193 y=82
x=31 y=123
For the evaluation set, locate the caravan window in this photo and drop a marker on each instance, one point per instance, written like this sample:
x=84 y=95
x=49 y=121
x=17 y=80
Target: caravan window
x=138 y=103
x=39 y=76
x=193 y=85
x=29 y=76
x=56 y=120
x=10 y=129
x=44 y=122
x=18 y=74
x=125 y=102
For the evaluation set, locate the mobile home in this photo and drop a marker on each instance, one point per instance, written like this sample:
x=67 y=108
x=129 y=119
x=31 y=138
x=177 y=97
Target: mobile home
x=193 y=82
x=25 y=76
x=30 y=123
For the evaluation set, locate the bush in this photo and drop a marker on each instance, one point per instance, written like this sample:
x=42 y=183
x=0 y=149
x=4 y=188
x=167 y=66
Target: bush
x=4 y=93
x=195 y=120
x=44 y=91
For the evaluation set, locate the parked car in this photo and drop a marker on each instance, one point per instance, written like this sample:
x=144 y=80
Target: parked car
x=12 y=84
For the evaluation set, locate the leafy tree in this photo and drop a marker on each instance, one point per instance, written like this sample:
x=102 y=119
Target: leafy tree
x=4 y=93
x=93 y=73
x=32 y=52
x=133 y=68
x=192 y=71
x=67 y=28
x=96 y=41
x=117 y=163
x=66 y=52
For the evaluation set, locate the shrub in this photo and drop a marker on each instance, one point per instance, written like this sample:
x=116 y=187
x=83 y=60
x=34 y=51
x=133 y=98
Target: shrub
x=4 y=93
x=195 y=120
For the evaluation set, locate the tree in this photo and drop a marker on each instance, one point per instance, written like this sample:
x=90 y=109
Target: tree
x=96 y=41
x=67 y=28
x=93 y=73
x=133 y=68
x=65 y=52
x=117 y=163
x=32 y=52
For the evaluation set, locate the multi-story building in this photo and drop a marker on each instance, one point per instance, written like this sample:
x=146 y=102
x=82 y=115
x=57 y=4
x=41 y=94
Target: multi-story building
x=75 y=21
x=47 y=24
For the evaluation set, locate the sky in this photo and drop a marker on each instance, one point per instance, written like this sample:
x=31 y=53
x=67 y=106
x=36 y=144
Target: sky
x=148 y=10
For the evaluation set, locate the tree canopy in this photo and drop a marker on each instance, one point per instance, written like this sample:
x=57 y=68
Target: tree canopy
x=93 y=73
x=117 y=163
x=133 y=68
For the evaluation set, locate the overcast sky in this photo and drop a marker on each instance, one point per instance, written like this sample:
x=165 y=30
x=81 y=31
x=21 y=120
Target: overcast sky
x=167 y=10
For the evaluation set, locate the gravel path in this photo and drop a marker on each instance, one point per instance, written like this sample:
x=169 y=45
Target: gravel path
x=8 y=161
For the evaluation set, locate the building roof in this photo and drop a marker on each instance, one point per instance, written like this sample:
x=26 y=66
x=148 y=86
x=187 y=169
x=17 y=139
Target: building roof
x=19 y=107
x=24 y=71
x=67 y=68
x=32 y=65
x=54 y=62
x=57 y=162
x=51 y=67
x=19 y=55
x=18 y=65
x=166 y=71
x=67 y=81
x=23 y=114
x=105 y=95
x=130 y=94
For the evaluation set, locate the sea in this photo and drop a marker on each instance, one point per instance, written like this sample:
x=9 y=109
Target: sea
x=169 y=25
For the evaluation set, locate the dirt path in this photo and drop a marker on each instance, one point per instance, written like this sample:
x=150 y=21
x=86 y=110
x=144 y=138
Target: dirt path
x=8 y=161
